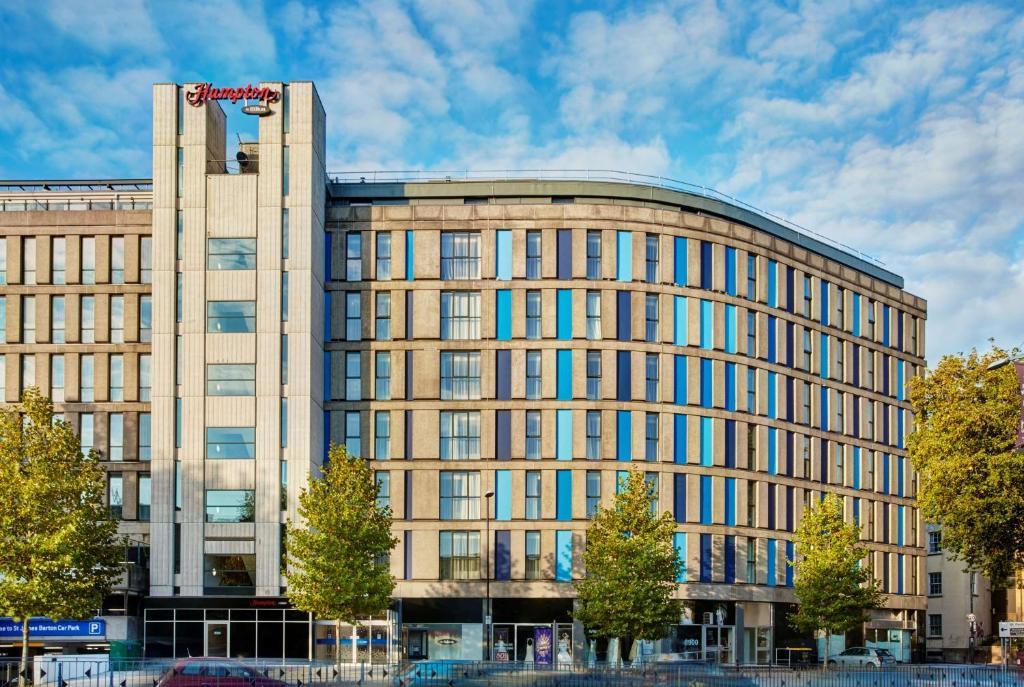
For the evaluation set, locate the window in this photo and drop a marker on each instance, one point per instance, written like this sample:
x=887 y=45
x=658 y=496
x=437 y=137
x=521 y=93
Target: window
x=593 y=315
x=353 y=376
x=117 y=319
x=840 y=300
x=533 y=248
x=652 y=368
x=117 y=260
x=651 y=479
x=913 y=334
x=460 y=495
x=28 y=319
x=869 y=370
x=88 y=259
x=651 y=318
x=871 y=319
x=751 y=390
x=88 y=319
x=3 y=377
x=751 y=334
x=230 y=443
x=178 y=291
x=353 y=256
x=460 y=375
x=115 y=436
x=593 y=375
x=145 y=497
x=286 y=170
x=28 y=260
x=840 y=365
x=145 y=318
x=284 y=296
x=227 y=574
x=869 y=417
x=3 y=319
x=383 y=316
x=382 y=373
x=935 y=541
x=934 y=584
x=870 y=481
x=146 y=259
x=533 y=434
x=230 y=380
x=85 y=432
x=117 y=377
x=57 y=378
x=353 y=316
x=459 y=555
x=353 y=440
x=806 y=361
x=230 y=317
x=934 y=625
x=751 y=277
x=230 y=505
x=231 y=254
x=145 y=436
x=115 y=494
x=593 y=254
x=593 y=492
x=3 y=261
x=806 y=413
x=533 y=494
x=85 y=374
x=179 y=238
x=751 y=503
x=807 y=458
x=533 y=363
x=145 y=377
x=651 y=441
x=533 y=314
x=57 y=319
x=532 y=555
x=28 y=371
x=383 y=255
x=460 y=255
x=593 y=435
x=651 y=256
x=58 y=260
x=807 y=295
x=382 y=478
x=284 y=361
x=460 y=435
x=840 y=418
x=460 y=314
x=382 y=435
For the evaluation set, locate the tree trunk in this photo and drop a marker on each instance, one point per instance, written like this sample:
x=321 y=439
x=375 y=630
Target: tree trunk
x=23 y=665
x=825 y=656
x=337 y=644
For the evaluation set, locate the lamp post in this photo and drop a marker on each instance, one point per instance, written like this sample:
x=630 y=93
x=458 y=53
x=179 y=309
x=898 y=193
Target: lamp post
x=487 y=574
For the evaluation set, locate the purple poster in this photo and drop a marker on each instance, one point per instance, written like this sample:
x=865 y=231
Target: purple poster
x=542 y=645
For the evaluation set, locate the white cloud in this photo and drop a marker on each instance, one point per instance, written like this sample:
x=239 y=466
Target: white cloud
x=107 y=25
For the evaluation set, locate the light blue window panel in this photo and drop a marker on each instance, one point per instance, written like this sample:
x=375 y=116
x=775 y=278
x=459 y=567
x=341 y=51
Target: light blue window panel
x=409 y=261
x=563 y=434
x=824 y=302
x=772 y=394
x=624 y=255
x=563 y=494
x=856 y=467
x=502 y=495
x=856 y=314
x=885 y=325
x=706 y=395
x=564 y=329
x=679 y=438
x=773 y=288
x=679 y=543
x=706 y=441
x=730 y=328
x=624 y=435
x=770 y=581
x=730 y=271
x=899 y=525
x=823 y=347
x=564 y=375
x=706 y=495
x=707 y=320
x=679 y=249
x=899 y=383
x=563 y=556
x=621 y=477
x=730 y=386
x=773 y=447
x=503 y=268
x=730 y=501
x=504 y=315
x=679 y=320
x=679 y=380
x=824 y=408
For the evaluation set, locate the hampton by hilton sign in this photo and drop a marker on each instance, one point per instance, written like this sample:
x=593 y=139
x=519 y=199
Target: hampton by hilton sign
x=262 y=96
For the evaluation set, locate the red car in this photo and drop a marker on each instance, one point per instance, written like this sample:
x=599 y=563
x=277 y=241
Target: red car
x=214 y=672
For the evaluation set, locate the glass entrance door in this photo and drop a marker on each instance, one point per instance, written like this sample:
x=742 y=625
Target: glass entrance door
x=217 y=639
x=718 y=643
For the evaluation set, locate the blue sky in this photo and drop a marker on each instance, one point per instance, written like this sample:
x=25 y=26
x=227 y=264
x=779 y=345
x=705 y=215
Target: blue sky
x=894 y=127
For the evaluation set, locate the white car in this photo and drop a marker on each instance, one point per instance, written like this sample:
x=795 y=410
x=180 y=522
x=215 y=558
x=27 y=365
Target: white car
x=863 y=657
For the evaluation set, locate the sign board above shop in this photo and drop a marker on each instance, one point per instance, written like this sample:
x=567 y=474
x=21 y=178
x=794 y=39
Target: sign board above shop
x=261 y=95
x=44 y=628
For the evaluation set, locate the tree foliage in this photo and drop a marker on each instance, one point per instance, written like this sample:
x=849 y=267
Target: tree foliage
x=631 y=568
x=971 y=479
x=336 y=550
x=59 y=550
x=833 y=589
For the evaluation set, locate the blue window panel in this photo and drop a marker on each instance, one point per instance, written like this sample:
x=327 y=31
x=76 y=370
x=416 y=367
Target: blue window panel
x=773 y=287
x=706 y=441
x=885 y=374
x=899 y=428
x=772 y=333
x=679 y=380
x=899 y=476
x=621 y=477
x=790 y=555
x=503 y=375
x=622 y=316
x=679 y=320
x=410 y=262
x=502 y=555
x=730 y=328
x=563 y=375
x=705 y=558
x=679 y=544
x=856 y=314
x=706 y=512
x=563 y=556
x=856 y=366
x=624 y=255
x=679 y=249
x=856 y=511
x=899 y=382
x=563 y=434
x=327 y=435
x=565 y=254
x=705 y=265
x=327 y=376
x=771 y=556
x=730 y=501
x=624 y=435
x=679 y=438
x=899 y=573
x=789 y=509
x=824 y=408
x=885 y=325
x=328 y=237
x=706 y=380
x=730 y=443
x=789 y=399
x=771 y=506
x=824 y=302
x=790 y=292
x=899 y=331
x=730 y=386
x=885 y=423
x=503 y=435
x=856 y=467
x=623 y=376
x=790 y=349
x=789 y=453
x=327 y=316
x=899 y=525
x=823 y=347
x=885 y=473
x=730 y=559
x=503 y=243
x=563 y=494
x=823 y=458
x=504 y=315
x=772 y=395
x=773 y=451
x=707 y=321
x=679 y=497
x=502 y=494
x=564 y=315
x=730 y=271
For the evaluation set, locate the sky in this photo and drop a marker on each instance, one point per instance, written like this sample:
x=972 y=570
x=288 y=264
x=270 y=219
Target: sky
x=894 y=127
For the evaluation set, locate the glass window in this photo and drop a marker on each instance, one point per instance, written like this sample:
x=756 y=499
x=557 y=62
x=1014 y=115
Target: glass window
x=117 y=260
x=286 y=170
x=58 y=260
x=230 y=442
x=85 y=372
x=353 y=256
x=751 y=277
x=840 y=304
x=460 y=315
x=383 y=316
x=57 y=378
x=460 y=255
x=806 y=363
x=230 y=505
x=382 y=373
x=117 y=377
x=651 y=478
x=840 y=364
x=57 y=319
x=934 y=624
x=807 y=295
x=460 y=435
x=593 y=315
x=231 y=254
x=751 y=560
x=115 y=494
x=28 y=371
x=532 y=555
x=533 y=314
x=459 y=555
x=533 y=249
x=806 y=414
x=230 y=380
x=353 y=376
x=353 y=437
x=145 y=436
x=115 y=436
x=28 y=319
x=533 y=434
x=751 y=334
x=934 y=584
x=3 y=319
x=284 y=359
x=285 y=234
x=751 y=503
x=593 y=254
x=145 y=497
x=145 y=318
x=88 y=259
x=869 y=417
x=751 y=391
x=28 y=260
x=229 y=573
x=533 y=365
x=593 y=375
x=460 y=495
x=179 y=238
x=651 y=255
x=146 y=259
x=353 y=316
x=593 y=434
x=284 y=296
x=651 y=366
x=807 y=458
x=178 y=289
x=460 y=375
x=382 y=435
x=85 y=432
x=651 y=441
x=533 y=494
x=230 y=317
x=935 y=541
x=3 y=378
x=284 y=422
x=88 y=319
x=383 y=255
x=117 y=319
x=3 y=260
x=382 y=478
x=593 y=492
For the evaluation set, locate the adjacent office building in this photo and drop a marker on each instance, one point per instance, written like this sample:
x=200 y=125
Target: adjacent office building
x=502 y=350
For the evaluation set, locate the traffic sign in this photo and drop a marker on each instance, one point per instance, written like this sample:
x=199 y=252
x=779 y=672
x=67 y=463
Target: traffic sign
x=1011 y=629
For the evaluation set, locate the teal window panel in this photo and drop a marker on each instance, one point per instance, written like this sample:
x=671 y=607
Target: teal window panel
x=823 y=347
x=563 y=376
x=773 y=287
x=706 y=442
x=624 y=435
x=563 y=434
x=899 y=525
x=563 y=556
x=679 y=251
x=564 y=314
x=679 y=544
x=730 y=271
x=503 y=495
x=730 y=328
x=772 y=394
x=504 y=315
x=706 y=381
x=707 y=321
x=856 y=467
x=563 y=494
x=679 y=438
x=773 y=451
x=679 y=320
x=856 y=314
x=730 y=501
x=706 y=496
x=771 y=555
x=621 y=477
x=824 y=408
x=503 y=268
x=899 y=383
x=624 y=255
x=409 y=256
x=679 y=380
x=824 y=302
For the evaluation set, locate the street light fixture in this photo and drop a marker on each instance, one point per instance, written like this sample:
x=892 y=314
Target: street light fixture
x=487 y=574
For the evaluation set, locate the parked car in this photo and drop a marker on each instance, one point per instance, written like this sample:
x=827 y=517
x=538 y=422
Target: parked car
x=215 y=672
x=863 y=657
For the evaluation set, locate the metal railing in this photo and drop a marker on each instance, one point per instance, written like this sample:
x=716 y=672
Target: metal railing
x=614 y=175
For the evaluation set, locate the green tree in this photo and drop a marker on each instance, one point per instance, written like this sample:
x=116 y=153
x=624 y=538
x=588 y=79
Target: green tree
x=59 y=549
x=631 y=567
x=337 y=552
x=971 y=478
x=832 y=587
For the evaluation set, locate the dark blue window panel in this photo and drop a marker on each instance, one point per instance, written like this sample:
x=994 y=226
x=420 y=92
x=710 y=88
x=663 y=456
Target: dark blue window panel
x=771 y=506
x=679 y=380
x=823 y=448
x=408 y=315
x=706 y=380
x=899 y=475
x=885 y=325
x=885 y=374
x=565 y=253
x=789 y=399
x=730 y=559
x=885 y=474
x=730 y=271
x=856 y=366
x=885 y=523
x=772 y=330
x=899 y=330
x=679 y=497
x=823 y=407
x=730 y=443
x=623 y=376
x=789 y=454
x=503 y=376
x=408 y=435
x=705 y=265
x=856 y=416
x=790 y=295
x=899 y=573
x=679 y=438
x=705 y=558
x=730 y=501
x=679 y=258
x=502 y=555
x=705 y=500
x=789 y=509
x=730 y=386
x=790 y=555
x=407 y=554
x=623 y=320
x=824 y=302
x=408 y=493
x=885 y=423
x=503 y=434
x=408 y=375
x=789 y=344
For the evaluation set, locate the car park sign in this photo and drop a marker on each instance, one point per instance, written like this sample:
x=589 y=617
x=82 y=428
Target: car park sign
x=44 y=628
x=1011 y=630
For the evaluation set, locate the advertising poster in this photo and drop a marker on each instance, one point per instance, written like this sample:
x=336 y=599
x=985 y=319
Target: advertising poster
x=542 y=645
x=502 y=646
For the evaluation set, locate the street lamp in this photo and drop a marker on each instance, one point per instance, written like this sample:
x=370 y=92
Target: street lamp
x=487 y=574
